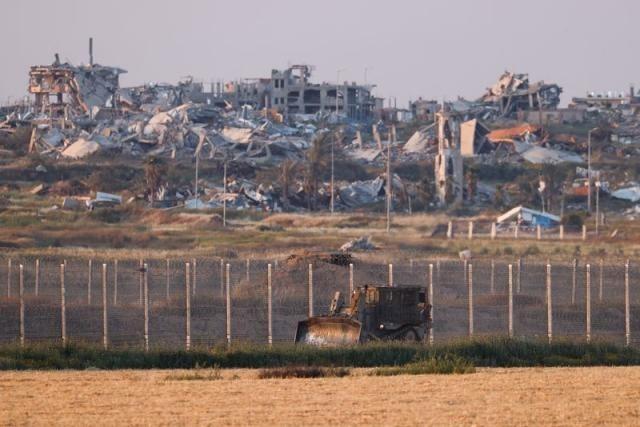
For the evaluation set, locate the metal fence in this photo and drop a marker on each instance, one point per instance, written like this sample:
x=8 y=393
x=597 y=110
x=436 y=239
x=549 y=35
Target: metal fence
x=170 y=303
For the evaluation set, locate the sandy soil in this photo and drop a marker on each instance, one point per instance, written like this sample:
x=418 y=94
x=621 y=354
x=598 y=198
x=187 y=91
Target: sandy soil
x=553 y=396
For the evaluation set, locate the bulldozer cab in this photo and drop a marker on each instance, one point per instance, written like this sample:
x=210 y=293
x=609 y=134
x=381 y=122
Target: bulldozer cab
x=393 y=307
x=374 y=313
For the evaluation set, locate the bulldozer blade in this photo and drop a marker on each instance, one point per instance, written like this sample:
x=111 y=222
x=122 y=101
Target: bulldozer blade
x=328 y=331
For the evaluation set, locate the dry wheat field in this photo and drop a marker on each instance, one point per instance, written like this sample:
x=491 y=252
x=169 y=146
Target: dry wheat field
x=540 y=396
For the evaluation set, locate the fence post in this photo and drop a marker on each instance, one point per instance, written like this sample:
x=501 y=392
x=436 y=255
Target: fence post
x=574 y=280
x=141 y=282
x=510 y=301
x=63 y=309
x=194 y=279
x=470 y=230
x=470 y=288
x=588 y=302
x=390 y=275
x=115 y=282
x=187 y=299
x=248 y=273
x=450 y=230
x=221 y=277
x=549 y=306
x=437 y=272
x=584 y=232
x=167 y=274
x=228 y=287
x=493 y=231
x=310 y=291
x=627 y=311
x=269 y=307
x=9 y=278
x=37 y=272
x=89 y=282
x=492 y=283
x=105 y=319
x=538 y=232
x=561 y=232
x=350 y=282
x=146 y=307
x=431 y=302
x=21 y=294
x=519 y=276
x=601 y=281
x=515 y=232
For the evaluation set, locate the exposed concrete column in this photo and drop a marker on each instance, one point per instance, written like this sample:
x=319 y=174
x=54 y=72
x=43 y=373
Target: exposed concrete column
x=323 y=99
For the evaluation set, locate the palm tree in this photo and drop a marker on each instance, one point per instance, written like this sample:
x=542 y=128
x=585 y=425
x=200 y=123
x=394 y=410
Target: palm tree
x=154 y=170
x=316 y=161
x=288 y=171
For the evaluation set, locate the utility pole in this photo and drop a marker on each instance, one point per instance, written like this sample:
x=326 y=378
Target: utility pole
x=597 y=184
x=195 y=190
x=332 y=174
x=389 y=185
x=333 y=139
x=337 y=90
x=589 y=169
x=224 y=195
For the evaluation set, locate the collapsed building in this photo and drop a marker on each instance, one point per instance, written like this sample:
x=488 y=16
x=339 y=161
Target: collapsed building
x=448 y=162
x=62 y=89
x=290 y=92
x=513 y=92
x=260 y=123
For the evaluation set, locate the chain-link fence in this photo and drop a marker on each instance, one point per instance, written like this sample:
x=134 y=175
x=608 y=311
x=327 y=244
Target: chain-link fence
x=185 y=303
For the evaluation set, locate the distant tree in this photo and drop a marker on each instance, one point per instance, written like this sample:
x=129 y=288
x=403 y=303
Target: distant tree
x=471 y=179
x=554 y=177
x=499 y=197
x=315 y=163
x=154 y=171
x=288 y=171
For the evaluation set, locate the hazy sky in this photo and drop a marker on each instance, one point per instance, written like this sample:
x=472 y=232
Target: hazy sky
x=412 y=48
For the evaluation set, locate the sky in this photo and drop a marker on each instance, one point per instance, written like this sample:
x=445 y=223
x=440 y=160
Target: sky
x=410 y=48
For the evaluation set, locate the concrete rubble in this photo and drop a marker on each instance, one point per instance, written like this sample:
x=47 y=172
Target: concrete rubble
x=360 y=244
x=80 y=111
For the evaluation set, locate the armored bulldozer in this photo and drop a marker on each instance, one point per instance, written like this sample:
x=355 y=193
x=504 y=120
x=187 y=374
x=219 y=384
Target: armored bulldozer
x=374 y=313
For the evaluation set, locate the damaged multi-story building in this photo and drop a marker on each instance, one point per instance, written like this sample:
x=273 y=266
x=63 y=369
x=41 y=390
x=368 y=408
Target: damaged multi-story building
x=290 y=92
x=62 y=89
x=513 y=92
x=606 y=101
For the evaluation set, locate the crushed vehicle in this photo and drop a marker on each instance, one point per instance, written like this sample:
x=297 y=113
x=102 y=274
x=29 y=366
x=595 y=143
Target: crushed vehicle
x=375 y=313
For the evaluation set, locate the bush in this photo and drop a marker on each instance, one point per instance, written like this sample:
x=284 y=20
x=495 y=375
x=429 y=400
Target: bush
x=503 y=172
x=531 y=250
x=573 y=221
x=303 y=372
x=199 y=374
x=447 y=364
x=496 y=352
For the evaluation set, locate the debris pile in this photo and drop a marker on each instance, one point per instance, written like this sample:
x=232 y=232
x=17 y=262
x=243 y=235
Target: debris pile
x=360 y=244
x=513 y=92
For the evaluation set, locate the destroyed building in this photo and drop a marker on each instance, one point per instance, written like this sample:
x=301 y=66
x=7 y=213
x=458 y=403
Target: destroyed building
x=448 y=162
x=290 y=92
x=62 y=89
x=513 y=92
x=424 y=109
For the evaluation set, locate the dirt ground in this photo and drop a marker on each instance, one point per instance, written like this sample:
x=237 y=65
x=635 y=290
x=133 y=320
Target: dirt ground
x=549 y=396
